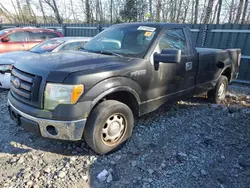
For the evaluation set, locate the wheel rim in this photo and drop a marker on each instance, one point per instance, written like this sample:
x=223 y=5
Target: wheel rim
x=113 y=129
x=222 y=90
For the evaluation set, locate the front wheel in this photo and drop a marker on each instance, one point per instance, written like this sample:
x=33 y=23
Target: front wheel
x=109 y=126
x=218 y=94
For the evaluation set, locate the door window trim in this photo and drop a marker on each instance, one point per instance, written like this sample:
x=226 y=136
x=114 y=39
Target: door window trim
x=186 y=42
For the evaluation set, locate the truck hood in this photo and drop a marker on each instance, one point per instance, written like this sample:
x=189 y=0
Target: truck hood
x=59 y=65
x=10 y=58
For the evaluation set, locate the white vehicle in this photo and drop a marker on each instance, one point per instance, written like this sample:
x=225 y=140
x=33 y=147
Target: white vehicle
x=48 y=46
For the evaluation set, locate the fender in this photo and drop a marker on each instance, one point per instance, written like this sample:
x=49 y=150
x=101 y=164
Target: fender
x=111 y=85
x=224 y=69
x=227 y=64
x=113 y=90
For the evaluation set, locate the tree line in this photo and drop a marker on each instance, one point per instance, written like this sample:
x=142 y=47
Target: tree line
x=117 y=11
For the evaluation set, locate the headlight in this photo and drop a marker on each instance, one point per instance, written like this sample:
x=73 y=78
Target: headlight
x=56 y=94
x=4 y=68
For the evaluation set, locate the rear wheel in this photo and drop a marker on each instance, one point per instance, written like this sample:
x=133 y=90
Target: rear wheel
x=218 y=94
x=109 y=126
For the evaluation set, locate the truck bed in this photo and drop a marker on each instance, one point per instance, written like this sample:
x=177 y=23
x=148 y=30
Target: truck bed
x=209 y=59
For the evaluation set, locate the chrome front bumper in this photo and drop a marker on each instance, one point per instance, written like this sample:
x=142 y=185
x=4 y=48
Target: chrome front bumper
x=63 y=130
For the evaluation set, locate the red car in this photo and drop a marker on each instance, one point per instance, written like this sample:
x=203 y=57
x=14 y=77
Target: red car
x=24 y=38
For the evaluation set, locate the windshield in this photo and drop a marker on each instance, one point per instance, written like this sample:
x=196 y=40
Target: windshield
x=128 y=40
x=2 y=33
x=47 y=46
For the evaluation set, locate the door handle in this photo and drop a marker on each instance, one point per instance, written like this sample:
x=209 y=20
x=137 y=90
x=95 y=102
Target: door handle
x=189 y=66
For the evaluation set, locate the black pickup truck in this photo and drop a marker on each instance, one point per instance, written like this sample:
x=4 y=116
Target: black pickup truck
x=125 y=71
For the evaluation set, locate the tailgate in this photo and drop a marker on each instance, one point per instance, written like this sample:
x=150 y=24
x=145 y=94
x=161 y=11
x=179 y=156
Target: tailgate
x=236 y=59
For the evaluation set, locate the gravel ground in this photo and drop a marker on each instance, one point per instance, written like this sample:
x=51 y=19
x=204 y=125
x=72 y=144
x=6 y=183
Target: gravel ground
x=188 y=144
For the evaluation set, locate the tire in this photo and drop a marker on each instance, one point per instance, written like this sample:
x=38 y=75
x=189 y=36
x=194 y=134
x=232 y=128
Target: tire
x=105 y=123
x=218 y=94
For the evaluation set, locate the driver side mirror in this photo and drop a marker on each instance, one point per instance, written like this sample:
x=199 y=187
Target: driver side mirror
x=168 y=56
x=5 y=39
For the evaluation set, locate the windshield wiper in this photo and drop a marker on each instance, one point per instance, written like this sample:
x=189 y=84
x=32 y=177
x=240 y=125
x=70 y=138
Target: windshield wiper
x=33 y=52
x=83 y=49
x=101 y=52
x=107 y=53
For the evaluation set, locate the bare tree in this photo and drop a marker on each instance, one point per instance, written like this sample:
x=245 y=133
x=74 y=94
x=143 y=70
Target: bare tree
x=231 y=10
x=111 y=11
x=248 y=18
x=203 y=11
x=174 y=9
x=19 y=19
x=7 y=14
x=42 y=10
x=150 y=9
x=179 y=11
x=165 y=10
x=31 y=16
x=185 y=11
x=91 y=5
x=141 y=10
x=244 y=12
x=99 y=11
x=208 y=11
x=54 y=7
x=73 y=10
x=158 y=10
x=219 y=12
x=237 y=20
x=215 y=12
x=196 y=11
x=20 y=11
x=192 y=10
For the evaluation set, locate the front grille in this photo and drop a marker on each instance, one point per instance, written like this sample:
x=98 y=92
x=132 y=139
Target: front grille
x=25 y=86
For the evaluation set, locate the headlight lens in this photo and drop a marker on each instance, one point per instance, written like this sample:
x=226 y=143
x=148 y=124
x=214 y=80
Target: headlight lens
x=4 y=68
x=56 y=94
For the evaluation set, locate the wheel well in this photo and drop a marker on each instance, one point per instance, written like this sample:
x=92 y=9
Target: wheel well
x=126 y=98
x=227 y=73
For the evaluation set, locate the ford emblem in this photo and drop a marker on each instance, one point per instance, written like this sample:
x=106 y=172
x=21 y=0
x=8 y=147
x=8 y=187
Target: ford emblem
x=16 y=82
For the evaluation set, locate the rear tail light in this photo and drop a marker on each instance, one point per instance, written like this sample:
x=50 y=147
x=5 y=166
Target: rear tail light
x=239 y=59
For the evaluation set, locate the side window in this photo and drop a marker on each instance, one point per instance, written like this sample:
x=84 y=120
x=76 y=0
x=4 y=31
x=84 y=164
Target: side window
x=39 y=36
x=51 y=35
x=72 y=46
x=18 y=37
x=175 y=39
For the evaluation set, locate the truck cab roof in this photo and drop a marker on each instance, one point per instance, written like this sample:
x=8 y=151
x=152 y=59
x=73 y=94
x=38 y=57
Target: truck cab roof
x=153 y=24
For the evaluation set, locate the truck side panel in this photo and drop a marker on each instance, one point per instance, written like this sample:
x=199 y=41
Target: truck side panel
x=212 y=64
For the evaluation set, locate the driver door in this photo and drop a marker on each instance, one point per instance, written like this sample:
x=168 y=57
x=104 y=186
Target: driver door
x=174 y=80
x=18 y=42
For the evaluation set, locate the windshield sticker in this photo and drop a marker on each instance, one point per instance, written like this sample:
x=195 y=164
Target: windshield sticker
x=148 y=34
x=145 y=28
